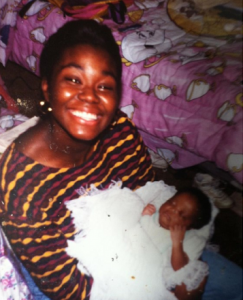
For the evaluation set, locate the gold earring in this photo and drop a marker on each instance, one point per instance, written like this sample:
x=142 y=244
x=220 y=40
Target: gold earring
x=45 y=106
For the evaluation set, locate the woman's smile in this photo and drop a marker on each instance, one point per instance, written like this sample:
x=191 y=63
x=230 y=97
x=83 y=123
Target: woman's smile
x=85 y=116
x=83 y=94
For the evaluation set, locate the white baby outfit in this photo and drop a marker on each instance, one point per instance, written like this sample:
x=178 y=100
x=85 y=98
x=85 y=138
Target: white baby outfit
x=129 y=255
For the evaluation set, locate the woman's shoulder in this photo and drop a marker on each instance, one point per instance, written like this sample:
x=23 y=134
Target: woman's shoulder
x=11 y=161
x=122 y=123
x=22 y=147
x=121 y=133
x=33 y=143
x=122 y=118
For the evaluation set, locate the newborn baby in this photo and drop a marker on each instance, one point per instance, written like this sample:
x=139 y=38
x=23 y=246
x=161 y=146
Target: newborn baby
x=188 y=209
x=115 y=246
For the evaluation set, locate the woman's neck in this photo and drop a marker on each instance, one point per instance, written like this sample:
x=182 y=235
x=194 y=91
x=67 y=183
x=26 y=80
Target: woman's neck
x=70 y=151
x=53 y=147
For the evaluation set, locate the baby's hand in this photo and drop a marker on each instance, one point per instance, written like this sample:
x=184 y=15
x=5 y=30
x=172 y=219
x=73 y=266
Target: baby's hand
x=149 y=210
x=177 y=233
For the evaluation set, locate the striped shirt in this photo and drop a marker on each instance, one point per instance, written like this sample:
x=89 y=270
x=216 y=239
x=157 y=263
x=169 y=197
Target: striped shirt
x=32 y=210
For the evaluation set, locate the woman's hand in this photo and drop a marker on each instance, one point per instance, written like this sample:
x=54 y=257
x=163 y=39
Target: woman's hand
x=149 y=210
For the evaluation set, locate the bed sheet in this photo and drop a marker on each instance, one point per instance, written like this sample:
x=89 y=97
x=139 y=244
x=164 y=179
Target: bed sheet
x=182 y=81
x=9 y=117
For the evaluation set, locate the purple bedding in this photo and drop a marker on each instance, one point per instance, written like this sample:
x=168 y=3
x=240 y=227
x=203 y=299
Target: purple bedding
x=182 y=75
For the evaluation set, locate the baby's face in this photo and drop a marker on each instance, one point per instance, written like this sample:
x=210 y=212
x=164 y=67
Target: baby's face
x=179 y=210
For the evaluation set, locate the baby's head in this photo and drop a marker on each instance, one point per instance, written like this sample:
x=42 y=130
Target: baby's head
x=189 y=207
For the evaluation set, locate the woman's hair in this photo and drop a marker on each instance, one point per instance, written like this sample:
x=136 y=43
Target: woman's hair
x=204 y=206
x=80 y=32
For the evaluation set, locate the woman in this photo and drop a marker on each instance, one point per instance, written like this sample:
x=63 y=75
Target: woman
x=84 y=140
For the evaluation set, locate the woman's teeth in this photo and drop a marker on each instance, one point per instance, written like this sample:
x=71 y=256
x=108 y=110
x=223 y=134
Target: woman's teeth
x=85 y=116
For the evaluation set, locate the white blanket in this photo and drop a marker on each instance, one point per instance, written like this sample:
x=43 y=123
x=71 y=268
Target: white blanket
x=116 y=250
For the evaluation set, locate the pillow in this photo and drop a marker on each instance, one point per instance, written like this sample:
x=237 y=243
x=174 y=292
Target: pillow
x=8 y=16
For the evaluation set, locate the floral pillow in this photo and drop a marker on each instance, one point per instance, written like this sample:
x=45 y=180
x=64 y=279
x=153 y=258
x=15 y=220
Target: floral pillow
x=12 y=286
x=8 y=17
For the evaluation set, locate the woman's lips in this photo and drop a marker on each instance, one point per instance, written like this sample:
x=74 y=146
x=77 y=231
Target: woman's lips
x=86 y=116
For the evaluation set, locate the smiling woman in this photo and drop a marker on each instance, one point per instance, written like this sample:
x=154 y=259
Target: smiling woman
x=83 y=93
x=85 y=140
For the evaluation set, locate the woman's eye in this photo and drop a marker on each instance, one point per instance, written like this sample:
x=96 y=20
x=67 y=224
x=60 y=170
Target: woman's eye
x=104 y=87
x=73 y=80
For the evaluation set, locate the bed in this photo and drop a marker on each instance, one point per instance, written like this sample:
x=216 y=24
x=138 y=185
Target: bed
x=182 y=73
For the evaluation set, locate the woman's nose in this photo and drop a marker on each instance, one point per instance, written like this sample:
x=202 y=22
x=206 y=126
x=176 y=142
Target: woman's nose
x=88 y=94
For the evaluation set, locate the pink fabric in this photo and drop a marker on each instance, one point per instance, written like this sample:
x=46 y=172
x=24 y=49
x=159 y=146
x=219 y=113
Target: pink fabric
x=183 y=91
x=9 y=117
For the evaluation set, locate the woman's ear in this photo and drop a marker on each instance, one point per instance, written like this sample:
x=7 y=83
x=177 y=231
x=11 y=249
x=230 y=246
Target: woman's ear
x=45 y=89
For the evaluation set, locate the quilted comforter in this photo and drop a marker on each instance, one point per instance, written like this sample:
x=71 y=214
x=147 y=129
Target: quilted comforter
x=182 y=74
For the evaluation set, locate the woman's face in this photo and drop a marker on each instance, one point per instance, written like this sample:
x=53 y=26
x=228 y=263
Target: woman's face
x=83 y=92
x=179 y=210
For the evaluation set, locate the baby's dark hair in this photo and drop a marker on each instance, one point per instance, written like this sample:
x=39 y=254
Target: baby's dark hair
x=79 y=32
x=204 y=206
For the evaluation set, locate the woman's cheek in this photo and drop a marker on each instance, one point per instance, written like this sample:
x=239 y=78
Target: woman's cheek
x=67 y=94
x=61 y=96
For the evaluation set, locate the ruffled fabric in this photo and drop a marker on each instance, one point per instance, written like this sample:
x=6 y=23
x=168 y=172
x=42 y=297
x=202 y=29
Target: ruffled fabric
x=191 y=275
x=134 y=250
x=111 y=238
x=8 y=136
